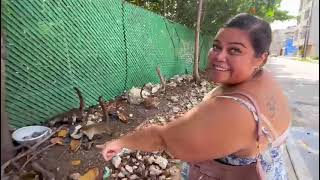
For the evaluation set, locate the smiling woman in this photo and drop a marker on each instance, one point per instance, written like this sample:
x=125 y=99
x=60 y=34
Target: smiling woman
x=239 y=49
x=238 y=129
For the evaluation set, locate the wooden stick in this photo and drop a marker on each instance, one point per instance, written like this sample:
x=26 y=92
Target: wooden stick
x=33 y=156
x=45 y=173
x=6 y=164
x=162 y=80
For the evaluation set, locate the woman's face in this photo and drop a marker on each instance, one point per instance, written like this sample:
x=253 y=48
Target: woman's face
x=232 y=58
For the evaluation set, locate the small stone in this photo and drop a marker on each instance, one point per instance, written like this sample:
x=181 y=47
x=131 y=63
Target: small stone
x=152 y=121
x=173 y=170
x=75 y=176
x=163 y=177
x=176 y=109
x=161 y=119
x=116 y=161
x=134 y=167
x=138 y=156
x=124 y=179
x=120 y=175
x=133 y=176
x=162 y=162
x=134 y=160
x=203 y=83
x=131 y=115
x=155 y=88
x=154 y=170
x=189 y=106
x=129 y=168
x=134 y=96
x=151 y=160
x=174 y=98
x=124 y=171
x=172 y=84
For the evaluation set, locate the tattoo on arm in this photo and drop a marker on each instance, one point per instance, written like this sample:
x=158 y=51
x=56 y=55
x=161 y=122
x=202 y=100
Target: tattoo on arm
x=271 y=105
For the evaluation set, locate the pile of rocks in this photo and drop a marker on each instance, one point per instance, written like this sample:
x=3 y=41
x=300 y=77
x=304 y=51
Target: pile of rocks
x=140 y=165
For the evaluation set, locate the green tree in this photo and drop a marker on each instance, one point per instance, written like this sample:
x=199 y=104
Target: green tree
x=214 y=12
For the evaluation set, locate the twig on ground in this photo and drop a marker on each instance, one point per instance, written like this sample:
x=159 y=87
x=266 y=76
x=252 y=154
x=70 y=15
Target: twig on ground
x=6 y=164
x=45 y=173
x=33 y=156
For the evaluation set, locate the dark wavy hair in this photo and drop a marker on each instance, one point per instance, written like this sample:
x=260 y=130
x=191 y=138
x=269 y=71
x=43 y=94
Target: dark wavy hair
x=259 y=31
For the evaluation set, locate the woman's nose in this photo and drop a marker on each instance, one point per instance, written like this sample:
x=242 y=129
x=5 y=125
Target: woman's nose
x=217 y=56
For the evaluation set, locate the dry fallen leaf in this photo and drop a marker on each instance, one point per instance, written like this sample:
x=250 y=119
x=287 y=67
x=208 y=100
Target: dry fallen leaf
x=91 y=174
x=74 y=145
x=76 y=162
x=63 y=133
x=122 y=117
x=57 y=140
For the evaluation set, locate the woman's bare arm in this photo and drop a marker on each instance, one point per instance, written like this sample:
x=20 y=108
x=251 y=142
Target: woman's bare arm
x=211 y=130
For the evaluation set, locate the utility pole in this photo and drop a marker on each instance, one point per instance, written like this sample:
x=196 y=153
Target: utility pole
x=306 y=37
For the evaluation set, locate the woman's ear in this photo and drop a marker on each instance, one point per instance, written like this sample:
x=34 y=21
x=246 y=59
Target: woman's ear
x=263 y=59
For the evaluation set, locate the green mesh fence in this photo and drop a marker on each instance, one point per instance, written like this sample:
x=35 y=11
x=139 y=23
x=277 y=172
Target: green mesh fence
x=101 y=47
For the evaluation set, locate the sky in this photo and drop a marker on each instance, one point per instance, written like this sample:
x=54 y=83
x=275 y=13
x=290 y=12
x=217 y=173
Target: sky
x=292 y=6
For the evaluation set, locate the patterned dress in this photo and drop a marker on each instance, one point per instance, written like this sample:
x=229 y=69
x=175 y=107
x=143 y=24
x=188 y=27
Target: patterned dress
x=271 y=159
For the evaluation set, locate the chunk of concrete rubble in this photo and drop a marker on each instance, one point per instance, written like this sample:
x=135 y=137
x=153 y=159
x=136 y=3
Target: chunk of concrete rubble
x=189 y=106
x=121 y=175
x=174 y=98
x=172 y=84
x=161 y=119
x=204 y=83
x=138 y=156
x=75 y=176
x=133 y=177
x=129 y=168
x=161 y=161
x=134 y=96
x=176 y=109
x=151 y=160
x=116 y=161
x=173 y=170
x=155 y=88
x=149 y=85
x=154 y=170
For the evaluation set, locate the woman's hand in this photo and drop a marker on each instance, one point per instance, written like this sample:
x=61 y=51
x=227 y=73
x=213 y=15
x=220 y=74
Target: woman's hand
x=110 y=149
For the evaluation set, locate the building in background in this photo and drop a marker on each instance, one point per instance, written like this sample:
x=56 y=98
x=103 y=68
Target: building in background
x=307 y=34
x=282 y=42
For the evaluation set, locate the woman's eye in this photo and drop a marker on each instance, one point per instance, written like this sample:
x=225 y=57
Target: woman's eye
x=235 y=51
x=215 y=47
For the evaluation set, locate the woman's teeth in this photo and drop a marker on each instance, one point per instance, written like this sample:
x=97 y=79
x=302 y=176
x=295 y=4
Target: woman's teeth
x=219 y=68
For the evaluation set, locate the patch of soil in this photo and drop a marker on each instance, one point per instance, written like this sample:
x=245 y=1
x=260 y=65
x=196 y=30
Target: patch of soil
x=58 y=158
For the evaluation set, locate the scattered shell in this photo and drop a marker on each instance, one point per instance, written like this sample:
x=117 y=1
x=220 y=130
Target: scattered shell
x=154 y=170
x=162 y=162
x=116 y=161
x=129 y=168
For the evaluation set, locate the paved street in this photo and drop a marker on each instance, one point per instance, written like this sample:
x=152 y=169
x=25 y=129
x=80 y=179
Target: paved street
x=300 y=81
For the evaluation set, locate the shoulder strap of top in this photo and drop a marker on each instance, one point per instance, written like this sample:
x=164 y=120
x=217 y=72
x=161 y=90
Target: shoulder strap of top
x=269 y=130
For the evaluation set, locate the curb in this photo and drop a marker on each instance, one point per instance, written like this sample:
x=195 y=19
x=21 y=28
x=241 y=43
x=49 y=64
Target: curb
x=299 y=166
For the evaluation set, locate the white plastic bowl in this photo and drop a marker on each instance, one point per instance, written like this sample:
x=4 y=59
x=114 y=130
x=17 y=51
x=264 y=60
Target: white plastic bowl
x=23 y=135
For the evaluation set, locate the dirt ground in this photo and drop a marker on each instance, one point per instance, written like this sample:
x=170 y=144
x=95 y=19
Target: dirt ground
x=181 y=94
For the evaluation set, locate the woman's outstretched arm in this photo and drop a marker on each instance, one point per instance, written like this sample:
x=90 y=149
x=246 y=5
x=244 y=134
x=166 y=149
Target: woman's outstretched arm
x=213 y=129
